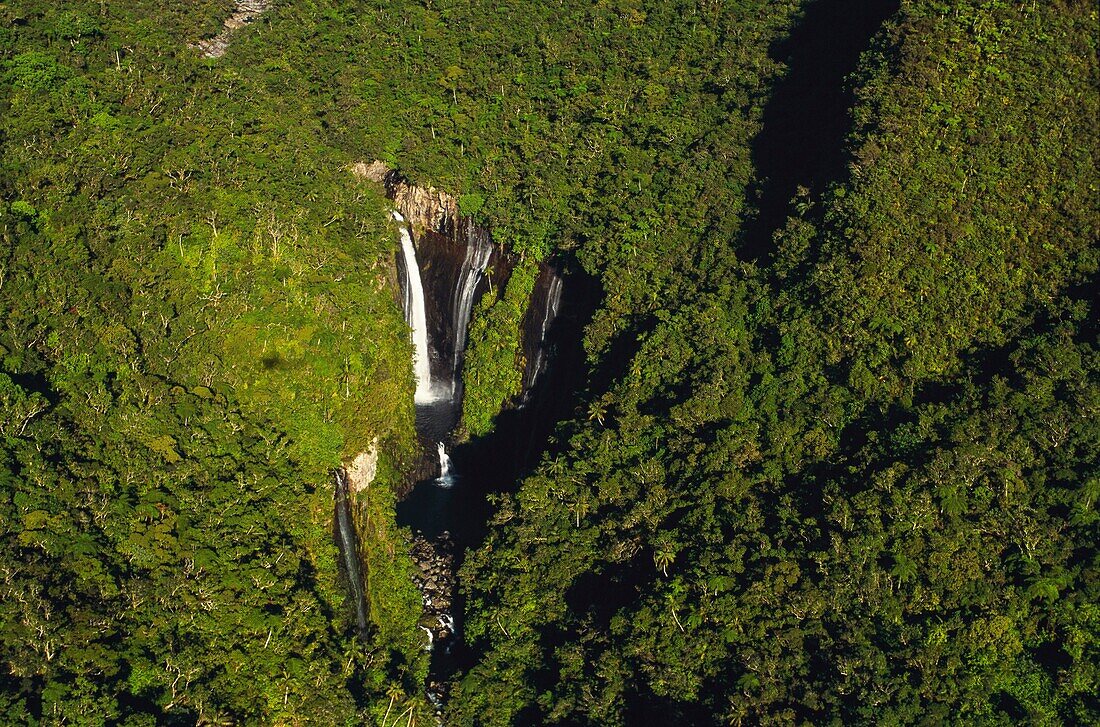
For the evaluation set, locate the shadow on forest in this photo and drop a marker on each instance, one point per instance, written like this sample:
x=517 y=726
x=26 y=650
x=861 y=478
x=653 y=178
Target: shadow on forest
x=498 y=462
x=807 y=118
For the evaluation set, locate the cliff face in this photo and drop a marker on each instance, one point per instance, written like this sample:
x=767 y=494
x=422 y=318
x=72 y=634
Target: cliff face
x=426 y=208
x=363 y=469
x=458 y=264
x=444 y=241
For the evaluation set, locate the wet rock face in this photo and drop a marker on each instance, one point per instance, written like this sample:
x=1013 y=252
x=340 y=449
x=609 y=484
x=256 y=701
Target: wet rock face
x=440 y=260
x=542 y=311
x=347 y=539
x=244 y=13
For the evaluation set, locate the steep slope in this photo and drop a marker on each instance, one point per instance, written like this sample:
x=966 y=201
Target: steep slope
x=834 y=458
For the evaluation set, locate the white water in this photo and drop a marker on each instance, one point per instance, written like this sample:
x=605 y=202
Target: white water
x=447 y=624
x=553 y=302
x=478 y=251
x=431 y=638
x=446 y=479
x=416 y=316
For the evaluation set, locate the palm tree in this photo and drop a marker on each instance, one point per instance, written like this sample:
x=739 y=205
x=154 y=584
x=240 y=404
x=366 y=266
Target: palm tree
x=663 y=557
x=394 y=692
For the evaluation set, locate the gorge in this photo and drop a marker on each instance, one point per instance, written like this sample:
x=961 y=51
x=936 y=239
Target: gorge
x=446 y=266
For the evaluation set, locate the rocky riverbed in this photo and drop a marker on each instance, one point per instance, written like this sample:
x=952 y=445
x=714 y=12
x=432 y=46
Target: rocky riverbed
x=435 y=562
x=435 y=578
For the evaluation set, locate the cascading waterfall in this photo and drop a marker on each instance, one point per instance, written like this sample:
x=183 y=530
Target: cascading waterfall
x=553 y=302
x=479 y=248
x=349 y=547
x=446 y=479
x=442 y=269
x=416 y=316
x=431 y=638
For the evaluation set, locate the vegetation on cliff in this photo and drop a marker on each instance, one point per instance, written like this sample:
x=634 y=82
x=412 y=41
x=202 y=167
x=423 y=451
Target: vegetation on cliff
x=493 y=369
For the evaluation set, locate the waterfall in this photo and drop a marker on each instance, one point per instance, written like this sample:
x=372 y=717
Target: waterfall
x=446 y=479
x=479 y=248
x=416 y=316
x=349 y=546
x=443 y=271
x=431 y=638
x=553 y=302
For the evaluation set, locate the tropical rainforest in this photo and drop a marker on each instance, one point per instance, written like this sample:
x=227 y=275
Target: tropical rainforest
x=836 y=454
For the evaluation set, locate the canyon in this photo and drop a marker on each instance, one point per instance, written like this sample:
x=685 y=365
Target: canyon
x=446 y=264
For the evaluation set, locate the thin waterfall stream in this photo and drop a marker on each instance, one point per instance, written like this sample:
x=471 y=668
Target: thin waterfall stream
x=349 y=548
x=445 y=479
x=479 y=250
x=553 y=304
x=416 y=316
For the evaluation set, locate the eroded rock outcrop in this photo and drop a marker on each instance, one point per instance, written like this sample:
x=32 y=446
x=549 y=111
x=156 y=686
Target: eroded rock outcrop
x=425 y=208
x=363 y=469
x=244 y=13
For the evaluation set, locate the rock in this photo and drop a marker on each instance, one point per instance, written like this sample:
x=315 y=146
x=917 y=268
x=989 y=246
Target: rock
x=435 y=579
x=426 y=208
x=376 y=171
x=364 y=468
x=245 y=12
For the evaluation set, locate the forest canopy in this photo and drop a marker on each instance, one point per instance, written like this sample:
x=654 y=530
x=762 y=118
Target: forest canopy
x=835 y=457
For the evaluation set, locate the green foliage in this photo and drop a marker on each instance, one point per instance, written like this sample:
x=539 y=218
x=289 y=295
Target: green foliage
x=73 y=25
x=853 y=483
x=945 y=235
x=493 y=370
x=198 y=328
x=17 y=407
x=36 y=71
x=470 y=204
x=852 y=486
x=391 y=592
